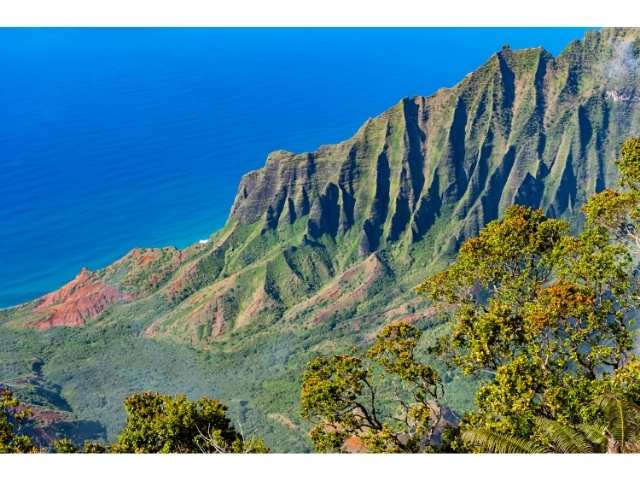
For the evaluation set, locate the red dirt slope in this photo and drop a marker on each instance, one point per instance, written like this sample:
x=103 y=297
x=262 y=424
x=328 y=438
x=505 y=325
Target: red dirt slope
x=82 y=299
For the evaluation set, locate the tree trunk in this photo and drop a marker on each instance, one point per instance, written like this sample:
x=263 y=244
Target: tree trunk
x=613 y=446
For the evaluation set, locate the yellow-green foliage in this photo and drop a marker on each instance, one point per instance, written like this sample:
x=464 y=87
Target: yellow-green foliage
x=156 y=423
x=341 y=396
x=618 y=211
x=12 y=417
x=629 y=163
x=163 y=424
x=545 y=311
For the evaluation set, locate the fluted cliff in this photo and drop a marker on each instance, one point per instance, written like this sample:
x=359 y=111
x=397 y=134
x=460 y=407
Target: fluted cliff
x=523 y=128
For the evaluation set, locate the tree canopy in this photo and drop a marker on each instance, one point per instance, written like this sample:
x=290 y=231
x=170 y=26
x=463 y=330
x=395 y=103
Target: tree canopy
x=156 y=423
x=159 y=423
x=13 y=417
x=344 y=397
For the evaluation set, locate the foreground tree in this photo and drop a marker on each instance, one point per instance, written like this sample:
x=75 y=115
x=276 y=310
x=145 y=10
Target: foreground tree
x=13 y=417
x=159 y=423
x=64 y=445
x=618 y=211
x=345 y=397
x=546 y=314
x=615 y=430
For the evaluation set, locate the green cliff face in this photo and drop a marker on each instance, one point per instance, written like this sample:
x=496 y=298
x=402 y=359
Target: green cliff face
x=322 y=248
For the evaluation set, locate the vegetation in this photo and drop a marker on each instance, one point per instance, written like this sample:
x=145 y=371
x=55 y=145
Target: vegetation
x=162 y=424
x=617 y=431
x=12 y=418
x=322 y=250
x=340 y=395
x=156 y=423
x=546 y=312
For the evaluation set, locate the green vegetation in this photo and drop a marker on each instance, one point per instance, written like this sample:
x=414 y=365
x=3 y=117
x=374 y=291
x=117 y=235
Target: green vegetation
x=340 y=395
x=617 y=430
x=12 y=418
x=162 y=424
x=155 y=424
x=546 y=312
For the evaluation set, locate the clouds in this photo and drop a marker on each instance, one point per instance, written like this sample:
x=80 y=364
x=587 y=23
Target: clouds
x=624 y=67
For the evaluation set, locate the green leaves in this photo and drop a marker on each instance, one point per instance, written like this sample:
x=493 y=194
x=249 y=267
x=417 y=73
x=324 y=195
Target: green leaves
x=629 y=163
x=491 y=442
x=13 y=416
x=341 y=396
x=611 y=209
x=515 y=248
x=159 y=423
x=64 y=445
x=616 y=431
x=563 y=438
x=622 y=422
x=331 y=386
x=394 y=351
x=618 y=212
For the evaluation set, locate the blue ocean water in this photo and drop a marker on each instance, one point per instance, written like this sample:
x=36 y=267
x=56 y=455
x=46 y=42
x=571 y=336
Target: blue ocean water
x=117 y=138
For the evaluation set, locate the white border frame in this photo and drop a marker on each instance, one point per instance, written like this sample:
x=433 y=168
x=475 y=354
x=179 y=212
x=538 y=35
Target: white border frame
x=317 y=13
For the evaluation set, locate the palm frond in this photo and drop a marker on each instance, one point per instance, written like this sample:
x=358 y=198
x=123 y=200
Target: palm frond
x=491 y=442
x=622 y=417
x=594 y=433
x=564 y=438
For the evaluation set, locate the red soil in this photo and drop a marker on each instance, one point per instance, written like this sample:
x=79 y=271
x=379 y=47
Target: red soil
x=82 y=299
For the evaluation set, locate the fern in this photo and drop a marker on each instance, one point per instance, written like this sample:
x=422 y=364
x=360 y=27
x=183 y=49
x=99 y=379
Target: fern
x=563 y=438
x=622 y=420
x=492 y=442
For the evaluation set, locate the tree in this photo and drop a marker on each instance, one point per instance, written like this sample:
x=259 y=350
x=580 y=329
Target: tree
x=159 y=423
x=616 y=431
x=64 y=445
x=546 y=314
x=94 y=447
x=342 y=396
x=13 y=417
x=618 y=211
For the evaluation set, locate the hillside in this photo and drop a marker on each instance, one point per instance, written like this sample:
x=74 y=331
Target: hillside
x=321 y=248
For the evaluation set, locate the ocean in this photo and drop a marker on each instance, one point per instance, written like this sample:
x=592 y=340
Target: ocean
x=118 y=138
